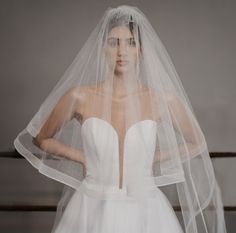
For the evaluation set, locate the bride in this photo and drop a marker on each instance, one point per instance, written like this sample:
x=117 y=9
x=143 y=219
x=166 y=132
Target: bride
x=118 y=126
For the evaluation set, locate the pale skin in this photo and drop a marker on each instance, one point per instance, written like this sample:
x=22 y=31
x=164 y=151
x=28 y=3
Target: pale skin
x=124 y=56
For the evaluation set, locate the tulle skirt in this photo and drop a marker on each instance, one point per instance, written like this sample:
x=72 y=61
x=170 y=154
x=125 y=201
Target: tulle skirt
x=85 y=213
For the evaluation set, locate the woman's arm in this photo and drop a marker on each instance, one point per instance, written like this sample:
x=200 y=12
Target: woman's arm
x=63 y=112
x=184 y=122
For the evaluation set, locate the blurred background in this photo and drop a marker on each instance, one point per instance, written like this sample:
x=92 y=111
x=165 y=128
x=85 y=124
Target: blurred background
x=39 y=40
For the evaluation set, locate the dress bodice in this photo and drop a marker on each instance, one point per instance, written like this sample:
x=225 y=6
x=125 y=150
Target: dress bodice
x=101 y=151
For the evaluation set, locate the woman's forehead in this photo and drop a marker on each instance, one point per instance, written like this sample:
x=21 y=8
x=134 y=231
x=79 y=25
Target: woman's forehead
x=120 y=32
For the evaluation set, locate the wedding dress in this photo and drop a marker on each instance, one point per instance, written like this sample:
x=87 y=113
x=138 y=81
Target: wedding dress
x=120 y=107
x=117 y=212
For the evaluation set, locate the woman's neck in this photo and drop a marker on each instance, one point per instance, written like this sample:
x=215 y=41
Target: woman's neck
x=124 y=84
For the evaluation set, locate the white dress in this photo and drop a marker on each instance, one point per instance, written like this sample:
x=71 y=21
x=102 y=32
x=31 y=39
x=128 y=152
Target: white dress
x=88 y=212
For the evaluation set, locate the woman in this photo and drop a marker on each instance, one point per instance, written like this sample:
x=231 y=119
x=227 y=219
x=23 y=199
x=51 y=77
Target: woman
x=116 y=127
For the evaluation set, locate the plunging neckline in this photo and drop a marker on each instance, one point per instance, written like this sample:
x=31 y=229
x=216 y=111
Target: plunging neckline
x=132 y=126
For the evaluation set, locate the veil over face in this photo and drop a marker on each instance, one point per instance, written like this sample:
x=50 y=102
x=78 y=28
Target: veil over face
x=124 y=85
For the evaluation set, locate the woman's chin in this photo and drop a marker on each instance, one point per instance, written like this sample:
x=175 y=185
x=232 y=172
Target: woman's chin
x=122 y=70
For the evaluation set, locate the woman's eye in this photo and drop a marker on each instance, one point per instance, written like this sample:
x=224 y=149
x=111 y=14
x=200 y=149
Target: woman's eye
x=132 y=42
x=113 y=42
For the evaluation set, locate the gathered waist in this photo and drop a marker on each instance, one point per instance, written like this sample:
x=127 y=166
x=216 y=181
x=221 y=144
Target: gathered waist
x=113 y=192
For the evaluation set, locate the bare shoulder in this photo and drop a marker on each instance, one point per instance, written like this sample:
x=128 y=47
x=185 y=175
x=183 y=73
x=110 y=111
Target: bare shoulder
x=79 y=92
x=173 y=98
x=150 y=91
x=170 y=96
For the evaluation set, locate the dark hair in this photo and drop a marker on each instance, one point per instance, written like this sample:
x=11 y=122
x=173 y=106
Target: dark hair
x=124 y=20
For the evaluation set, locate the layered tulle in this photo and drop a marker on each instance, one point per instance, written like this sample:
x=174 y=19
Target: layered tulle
x=122 y=101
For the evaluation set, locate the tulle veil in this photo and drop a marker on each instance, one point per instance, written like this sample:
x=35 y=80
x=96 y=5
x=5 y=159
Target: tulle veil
x=152 y=93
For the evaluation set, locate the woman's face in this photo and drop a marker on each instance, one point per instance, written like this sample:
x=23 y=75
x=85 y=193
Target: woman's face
x=121 y=50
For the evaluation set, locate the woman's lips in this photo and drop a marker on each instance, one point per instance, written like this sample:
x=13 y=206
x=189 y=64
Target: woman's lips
x=122 y=62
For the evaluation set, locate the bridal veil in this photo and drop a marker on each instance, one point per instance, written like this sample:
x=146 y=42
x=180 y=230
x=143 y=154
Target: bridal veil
x=150 y=89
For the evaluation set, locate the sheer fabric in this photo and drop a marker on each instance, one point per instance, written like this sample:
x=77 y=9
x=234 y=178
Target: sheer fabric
x=120 y=120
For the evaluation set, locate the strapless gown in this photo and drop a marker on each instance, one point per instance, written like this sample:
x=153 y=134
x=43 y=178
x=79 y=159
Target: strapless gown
x=99 y=205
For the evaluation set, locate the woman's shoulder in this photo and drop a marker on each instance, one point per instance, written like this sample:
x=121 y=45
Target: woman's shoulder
x=90 y=89
x=150 y=91
x=169 y=95
x=80 y=91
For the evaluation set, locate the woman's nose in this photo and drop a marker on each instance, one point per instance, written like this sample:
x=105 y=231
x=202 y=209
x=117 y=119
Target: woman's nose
x=122 y=48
